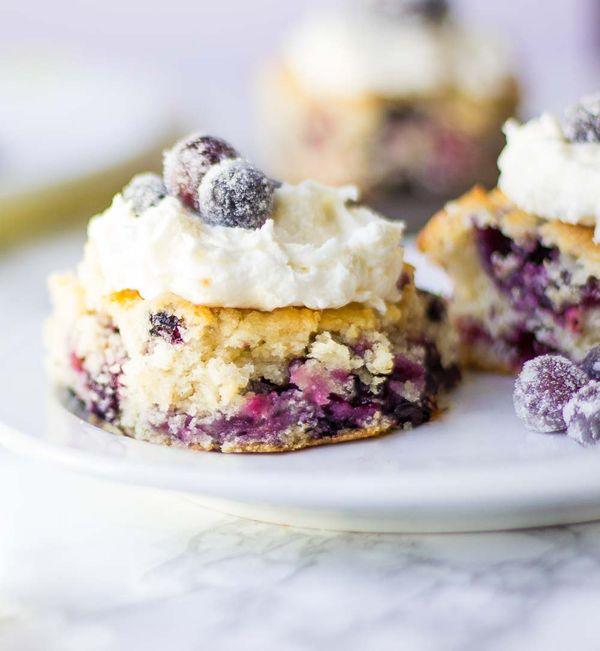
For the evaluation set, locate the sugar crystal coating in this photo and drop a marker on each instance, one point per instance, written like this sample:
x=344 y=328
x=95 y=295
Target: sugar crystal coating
x=583 y=120
x=144 y=191
x=236 y=194
x=582 y=414
x=543 y=388
x=186 y=163
x=591 y=363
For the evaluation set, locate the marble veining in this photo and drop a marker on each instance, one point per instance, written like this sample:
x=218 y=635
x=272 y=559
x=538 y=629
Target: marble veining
x=93 y=566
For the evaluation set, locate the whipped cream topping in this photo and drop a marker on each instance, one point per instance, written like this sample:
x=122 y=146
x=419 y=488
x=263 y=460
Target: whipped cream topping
x=350 y=53
x=544 y=173
x=319 y=250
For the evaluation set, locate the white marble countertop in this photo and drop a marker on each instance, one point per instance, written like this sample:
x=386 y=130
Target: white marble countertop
x=90 y=566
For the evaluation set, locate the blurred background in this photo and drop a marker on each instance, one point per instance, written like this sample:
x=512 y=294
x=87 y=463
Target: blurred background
x=88 y=85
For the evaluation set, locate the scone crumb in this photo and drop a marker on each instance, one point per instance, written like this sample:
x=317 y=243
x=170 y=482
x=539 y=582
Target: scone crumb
x=379 y=359
x=332 y=354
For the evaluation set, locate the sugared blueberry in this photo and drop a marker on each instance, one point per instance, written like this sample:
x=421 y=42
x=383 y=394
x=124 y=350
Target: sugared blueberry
x=583 y=120
x=235 y=193
x=144 y=191
x=582 y=414
x=543 y=388
x=591 y=363
x=185 y=165
x=431 y=10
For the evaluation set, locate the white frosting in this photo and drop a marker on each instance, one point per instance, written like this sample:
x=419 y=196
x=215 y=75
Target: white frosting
x=356 y=53
x=545 y=174
x=318 y=250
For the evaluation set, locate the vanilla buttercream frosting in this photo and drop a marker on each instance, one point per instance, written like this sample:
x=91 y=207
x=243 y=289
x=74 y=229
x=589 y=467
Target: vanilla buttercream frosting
x=352 y=53
x=319 y=250
x=544 y=173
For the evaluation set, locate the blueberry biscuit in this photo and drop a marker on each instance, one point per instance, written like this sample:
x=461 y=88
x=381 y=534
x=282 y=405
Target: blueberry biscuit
x=525 y=257
x=217 y=309
x=387 y=94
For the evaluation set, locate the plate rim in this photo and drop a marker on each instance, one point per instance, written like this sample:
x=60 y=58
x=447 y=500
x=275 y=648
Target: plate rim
x=401 y=490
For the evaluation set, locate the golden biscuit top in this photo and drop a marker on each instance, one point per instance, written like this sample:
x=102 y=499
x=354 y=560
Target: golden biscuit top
x=452 y=226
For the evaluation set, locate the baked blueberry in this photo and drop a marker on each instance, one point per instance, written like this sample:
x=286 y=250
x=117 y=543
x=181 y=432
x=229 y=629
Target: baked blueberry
x=167 y=326
x=144 y=191
x=185 y=165
x=236 y=194
x=582 y=414
x=591 y=363
x=583 y=120
x=436 y=309
x=543 y=388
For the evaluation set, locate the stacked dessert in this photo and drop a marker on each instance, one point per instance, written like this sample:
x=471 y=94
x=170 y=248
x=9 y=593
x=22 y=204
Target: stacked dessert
x=219 y=310
x=390 y=93
x=525 y=257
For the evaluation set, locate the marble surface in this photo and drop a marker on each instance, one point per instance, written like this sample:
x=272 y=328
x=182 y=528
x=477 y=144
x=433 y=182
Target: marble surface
x=86 y=565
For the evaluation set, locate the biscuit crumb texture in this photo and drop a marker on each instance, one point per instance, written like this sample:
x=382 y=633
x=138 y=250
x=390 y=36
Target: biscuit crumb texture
x=236 y=380
x=523 y=286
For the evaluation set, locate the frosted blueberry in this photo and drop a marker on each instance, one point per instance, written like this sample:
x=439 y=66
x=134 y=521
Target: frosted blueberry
x=583 y=120
x=591 y=363
x=543 y=388
x=582 y=414
x=236 y=194
x=186 y=163
x=143 y=192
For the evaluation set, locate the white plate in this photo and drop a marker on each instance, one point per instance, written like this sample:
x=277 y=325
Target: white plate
x=476 y=468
